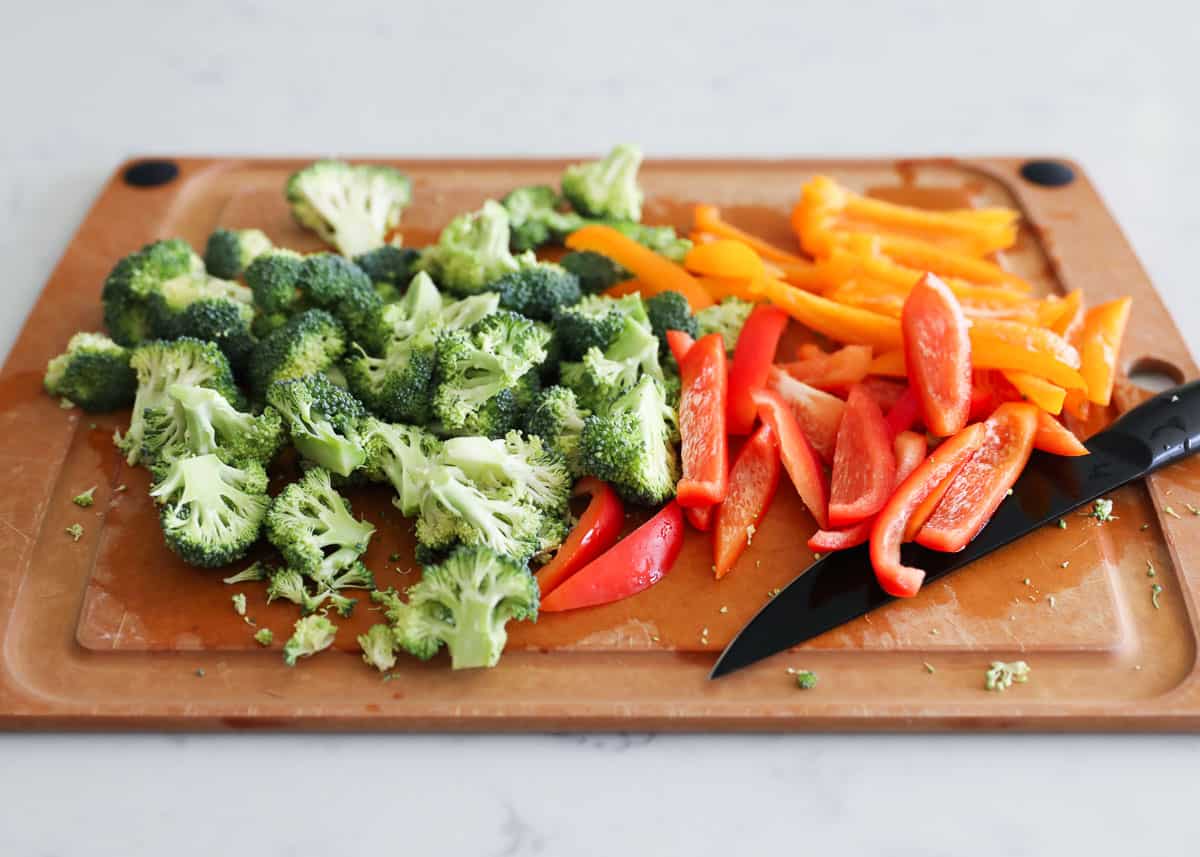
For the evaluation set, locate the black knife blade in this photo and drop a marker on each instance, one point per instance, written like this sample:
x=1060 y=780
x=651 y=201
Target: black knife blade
x=842 y=586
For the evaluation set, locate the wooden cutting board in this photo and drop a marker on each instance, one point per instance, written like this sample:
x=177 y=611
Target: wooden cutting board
x=112 y=631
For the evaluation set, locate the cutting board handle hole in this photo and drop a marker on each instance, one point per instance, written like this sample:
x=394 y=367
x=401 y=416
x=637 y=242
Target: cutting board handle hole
x=151 y=173
x=1047 y=173
x=1155 y=374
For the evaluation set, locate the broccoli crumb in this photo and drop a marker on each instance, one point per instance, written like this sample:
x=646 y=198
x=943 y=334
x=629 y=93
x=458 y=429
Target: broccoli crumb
x=85 y=499
x=75 y=531
x=312 y=634
x=121 y=487
x=91 y=425
x=724 y=609
x=1144 y=527
x=1192 y=509
x=1027 y=582
x=750 y=535
x=1000 y=675
x=1062 y=523
x=1066 y=563
x=1101 y=510
x=805 y=679
x=264 y=636
x=1150 y=570
x=239 y=603
x=65 y=403
x=199 y=673
x=1155 y=591
x=1169 y=511
x=395 y=557
x=1051 y=601
x=928 y=667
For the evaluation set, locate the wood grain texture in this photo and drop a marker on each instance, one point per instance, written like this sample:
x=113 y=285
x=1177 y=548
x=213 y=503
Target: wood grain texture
x=109 y=631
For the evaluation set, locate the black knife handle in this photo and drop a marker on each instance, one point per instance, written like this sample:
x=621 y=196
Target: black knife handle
x=1157 y=432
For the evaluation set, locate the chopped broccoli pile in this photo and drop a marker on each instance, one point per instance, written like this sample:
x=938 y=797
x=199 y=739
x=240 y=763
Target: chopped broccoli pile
x=472 y=251
x=211 y=510
x=608 y=187
x=230 y=251
x=596 y=272
x=311 y=634
x=725 y=318
x=93 y=372
x=352 y=207
x=465 y=603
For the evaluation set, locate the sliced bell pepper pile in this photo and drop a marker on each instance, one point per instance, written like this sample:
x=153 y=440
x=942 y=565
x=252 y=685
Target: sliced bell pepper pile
x=634 y=564
x=937 y=351
x=656 y=273
x=702 y=407
x=597 y=531
x=752 y=484
x=753 y=357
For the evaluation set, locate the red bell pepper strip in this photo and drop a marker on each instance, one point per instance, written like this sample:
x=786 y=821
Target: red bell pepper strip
x=799 y=458
x=884 y=391
x=905 y=413
x=864 y=465
x=637 y=562
x=937 y=354
x=598 y=529
x=818 y=413
x=701 y=517
x=983 y=481
x=702 y=406
x=752 y=484
x=837 y=371
x=1055 y=438
x=910 y=449
x=895 y=578
x=752 y=359
x=680 y=344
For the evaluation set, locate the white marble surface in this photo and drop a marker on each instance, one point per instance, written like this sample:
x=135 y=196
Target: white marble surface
x=1113 y=84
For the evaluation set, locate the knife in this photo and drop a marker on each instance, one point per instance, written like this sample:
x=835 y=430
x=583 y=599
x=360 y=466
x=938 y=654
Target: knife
x=842 y=585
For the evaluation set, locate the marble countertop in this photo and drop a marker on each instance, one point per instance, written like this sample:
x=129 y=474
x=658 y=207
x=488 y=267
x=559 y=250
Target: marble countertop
x=1110 y=85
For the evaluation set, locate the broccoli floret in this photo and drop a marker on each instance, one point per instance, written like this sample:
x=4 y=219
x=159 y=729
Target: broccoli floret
x=312 y=634
x=461 y=314
x=312 y=526
x=273 y=279
x=603 y=375
x=93 y=372
x=212 y=511
x=264 y=636
x=454 y=509
x=308 y=343
x=136 y=279
x=322 y=419
x=487 y=374
x=630 y=445
x=594 y=322
x=661 y=239
x=389 y=265
x=557 y=418
x=523 y=468
x=288 y=584
x=169 y=304
x=596 y=272
x=537 y=290
x=401 y=455
x=230 y=251
x=472 y=251
x=255 y=571
x=378 y=647
x=351 y=207
x=339 y=286
x=200 y=421
x=464 y=602
x=160 y=364
x=725 y=318
x=670 y=311
x=534 y=217
x=223 y=321
x=608 y=187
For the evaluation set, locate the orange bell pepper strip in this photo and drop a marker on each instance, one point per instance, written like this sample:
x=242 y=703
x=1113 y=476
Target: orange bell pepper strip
x=724 y=258
x=719 y=288
x=752 y=484
x=1035 y=339
x=707 y=218
x=945 y=263
x=656 y=273
x=842 y=323
x=837 y=371
x=1055 y=438
x=598 y=529
x=982 y=483
x=1070 y=321
x=890 y=364
x=1100 y=346
x=937 y=352
x=996 y=345
x=1049 y=397
x=888 y=533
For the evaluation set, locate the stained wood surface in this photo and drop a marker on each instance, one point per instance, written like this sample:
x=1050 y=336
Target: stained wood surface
x=111 y=630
